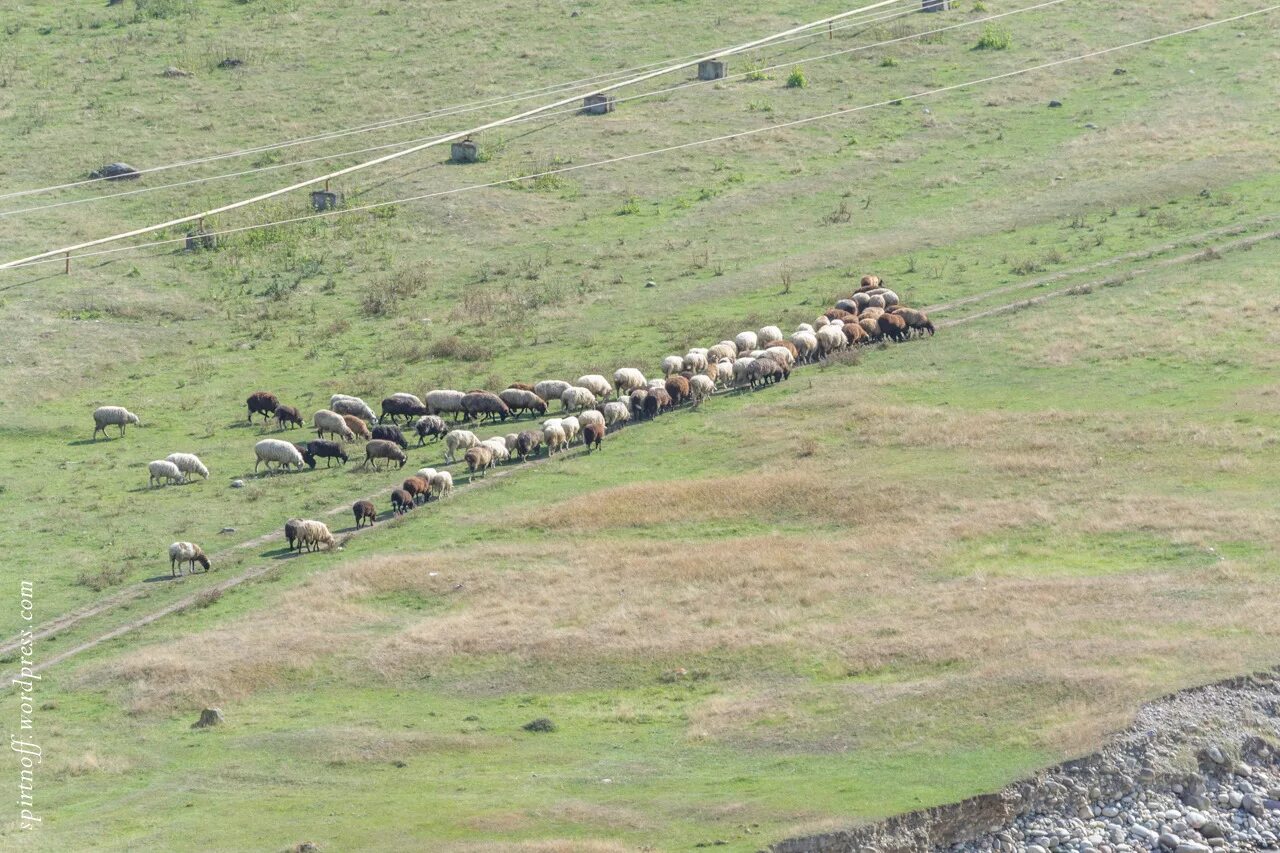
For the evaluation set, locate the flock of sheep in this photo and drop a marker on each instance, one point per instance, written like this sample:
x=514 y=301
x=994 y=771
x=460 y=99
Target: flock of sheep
x=753 y=359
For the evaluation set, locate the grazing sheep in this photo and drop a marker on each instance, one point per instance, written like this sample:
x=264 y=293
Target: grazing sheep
x=442 y=484
x=327 y=420
x=847 y=305
x=806 y=344
x=695 y=361
x=724 y=372
x=591 y=416
x=830 y=339
x=357 y=426
x=105 y=416
x=890 y=298
x=403 y=405
x=627 y=379
x=678 y=388
x=280 y=452
x=571 y=426
x=804 y=327
x=326 y=450
x=344 y=404
x=510 y=441
x=484 y=405
x=747 y=341
x=671 y=364
x=918 y=321
x=527 y=443
x=307 y=456
x=364 y=511
x=390 y=432
x=551 y=389
x=788 y=346
x=313 y=534
x=478 y=458
x=262 y=403
x=445 y=402
x=430 y=426
x=820 y=321
x=521 y=386
x=188 y=463
x=162 y=472
x=871 y=327
x=871 y=312
x=575 y=398
x=657 y=402
x=458 y=439
x=417 y=487
x=701 y=386
x=742 y=370
x=288 y=416
x=186 y=552
x=498 y=447
x=875 y=301
x=839 y=315
x=854 y=333
x=893 y=326
x=425 y=473
x=616 y=412
x=637 y=398
x=553 y=435
x=871 y=281
x=725 y=350
x=596 y=384
x=401 y=501
x=519 y=400
x=860 y=299
x=592 y=435
x=768 y=334
x=379 y=449
x=765 y=371
x=291 y=533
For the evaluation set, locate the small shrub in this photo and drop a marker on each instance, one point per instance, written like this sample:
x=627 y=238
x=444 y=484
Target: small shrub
x=756 y=73
x=979 y=6
x=386 y=294
x=759 y=107
x=542 y=724
x=994 y=38
x=630 y=206
x=888 y=62
x=454 y=347
x=208 y=597
x=102 y=579
x=796 y=79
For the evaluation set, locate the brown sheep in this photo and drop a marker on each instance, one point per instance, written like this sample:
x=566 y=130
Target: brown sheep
x=401 y=501
x=484 y=405
x=917 y=321
x=521 y=386
x=854 y=333
x=839 y=314
x=379 y=449
x=788 y=346
x=678 y=387
x=592 y=435
x=871 y=281
x=417 y=487
x=871 y=327
x=871 y=312
x=291 y=533
x=364 y=511
x=358 y=427
x=657 y=401
x=479 y=458
x=288 y=416
x=892 y=326
x=262 y=403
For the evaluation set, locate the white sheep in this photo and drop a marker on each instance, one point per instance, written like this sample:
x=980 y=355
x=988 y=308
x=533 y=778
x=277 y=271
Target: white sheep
x=782 y=355
x=723 y=350
x=671 y=364
x=553 y=435
x=747 y=341
x=498 y=445
x=551 y=389
x=576 y=398
x=572 y=427
x=327 y=420
x=458 y=439
x=830 y=339
x=724 y=369
x=769 y=334
x=510 y=440
x=741 y=372
x=282 y=453
x=186 y=552
x=804 y=327
x=806 y=344
x=596 y=384
x=426 y=473
x=406 y=397
x=313 y=534
x=188 y=463
x=442 y=484
x=592 y=416
x=627 y=379
x=162 y=472
x=105 y=416
x=822 y=320
x=657 y=383
x=444 y=402
x=701 y=385
x=344 y=404
x=695 y=361
x=616 y=412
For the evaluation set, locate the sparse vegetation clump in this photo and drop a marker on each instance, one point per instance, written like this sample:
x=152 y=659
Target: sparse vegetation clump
x=994 y=38
x=797 y=78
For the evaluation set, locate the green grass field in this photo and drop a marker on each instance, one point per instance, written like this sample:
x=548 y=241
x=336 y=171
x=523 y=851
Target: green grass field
x=893 y=581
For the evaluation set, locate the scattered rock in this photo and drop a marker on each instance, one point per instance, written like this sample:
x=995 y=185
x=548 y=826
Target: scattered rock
x=174 y=71
x=1119 y=71
x=1169 y=841
x=1192 y=847
x=1055 y=103
x=231 y=62
x=1091 y=126
x=542 y=724
x=227 y=530
x=650 y=283
x=208 y=717
x=237 y=484
x=1215 y=754
x=306 y=847
x=117 y=172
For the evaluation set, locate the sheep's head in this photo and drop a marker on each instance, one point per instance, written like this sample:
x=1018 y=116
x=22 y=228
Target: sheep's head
x=131 y=418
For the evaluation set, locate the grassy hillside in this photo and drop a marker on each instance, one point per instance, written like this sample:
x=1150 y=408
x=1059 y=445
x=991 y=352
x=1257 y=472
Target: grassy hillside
x=895 y=581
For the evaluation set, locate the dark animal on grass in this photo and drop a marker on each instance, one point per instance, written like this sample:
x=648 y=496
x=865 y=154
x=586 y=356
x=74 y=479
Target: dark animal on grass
x=380 y=449
x=401 y=501
x=637 y=398
x=917 y=321
x=307 y=456
x=364 y=511
x=390 y=432
x=678 y=387
x=418 y=487
x=288 y=416
x=592 y=435
x=519 y=400
x=484 y=405
x=326 y=450
x=657 y=402
x=396 y=406
x=291 y=533
x=357 y=426
x=430 y=426
x=262 y=403
x=893 y=326
x=528 y=442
